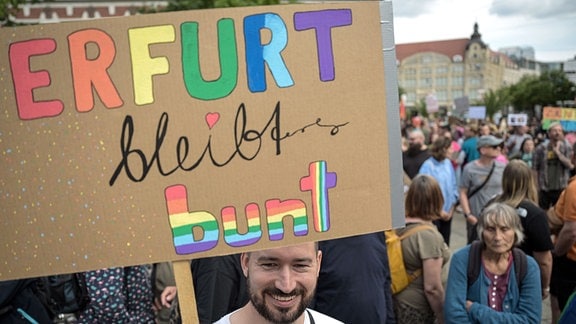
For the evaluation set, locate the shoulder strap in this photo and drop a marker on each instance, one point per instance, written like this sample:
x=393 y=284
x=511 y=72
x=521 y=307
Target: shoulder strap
x=520 y=265
x=415 y=229
x=407 y=233
x=474 y=261
x=475 y=190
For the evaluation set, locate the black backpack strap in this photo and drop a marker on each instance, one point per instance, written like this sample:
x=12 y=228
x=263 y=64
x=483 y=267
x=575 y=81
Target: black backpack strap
x=474 y=261
x=520 y=265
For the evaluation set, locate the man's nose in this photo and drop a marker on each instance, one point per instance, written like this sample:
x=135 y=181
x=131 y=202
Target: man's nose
x=285 y=281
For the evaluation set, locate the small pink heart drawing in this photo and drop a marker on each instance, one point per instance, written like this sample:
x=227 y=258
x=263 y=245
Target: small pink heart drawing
x=212 y=119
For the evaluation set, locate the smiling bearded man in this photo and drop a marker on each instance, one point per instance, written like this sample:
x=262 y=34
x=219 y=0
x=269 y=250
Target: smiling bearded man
x=281 y=283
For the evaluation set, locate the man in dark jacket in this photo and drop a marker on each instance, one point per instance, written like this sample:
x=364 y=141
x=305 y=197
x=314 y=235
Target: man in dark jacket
x=354 y=281
x=416 y=153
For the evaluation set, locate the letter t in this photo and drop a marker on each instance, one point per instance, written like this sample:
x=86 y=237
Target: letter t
x=318 y=182
x=323 y=21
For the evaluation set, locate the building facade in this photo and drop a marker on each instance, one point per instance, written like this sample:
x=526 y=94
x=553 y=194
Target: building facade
x=518 y=52
x=570 y=69
x=454 y=69
x=66 y=10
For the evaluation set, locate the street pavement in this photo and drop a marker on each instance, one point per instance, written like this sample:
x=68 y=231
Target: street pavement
x=458 y=240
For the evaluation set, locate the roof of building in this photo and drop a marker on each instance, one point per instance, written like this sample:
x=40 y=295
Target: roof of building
x=449 y=48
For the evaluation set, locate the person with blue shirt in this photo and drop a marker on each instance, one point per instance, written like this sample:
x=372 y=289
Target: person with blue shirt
x=469 y=151
x=440 y=167
x=496 y=295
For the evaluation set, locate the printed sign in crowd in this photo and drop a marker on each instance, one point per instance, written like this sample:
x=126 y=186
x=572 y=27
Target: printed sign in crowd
x=189 y=134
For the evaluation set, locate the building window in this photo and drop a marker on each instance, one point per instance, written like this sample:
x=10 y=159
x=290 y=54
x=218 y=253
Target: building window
x=441 y=82
x=475 y=94
x=425 y=71
x=410 y=71
x=459 y=93
x=410 y=83
x=475 y=81
x=441 y=69
x=458 y=81
x=458 y=69
x=425 y=83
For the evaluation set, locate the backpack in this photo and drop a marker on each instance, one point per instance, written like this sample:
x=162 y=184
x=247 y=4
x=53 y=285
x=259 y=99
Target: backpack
x=400 y=277
x=475 y=259
x=63 y=294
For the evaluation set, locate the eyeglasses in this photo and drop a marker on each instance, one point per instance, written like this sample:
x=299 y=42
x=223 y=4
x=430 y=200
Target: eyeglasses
x=496 y=146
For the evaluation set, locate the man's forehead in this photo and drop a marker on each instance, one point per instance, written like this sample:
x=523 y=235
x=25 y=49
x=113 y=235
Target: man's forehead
x=297 y=252
x=556 y=128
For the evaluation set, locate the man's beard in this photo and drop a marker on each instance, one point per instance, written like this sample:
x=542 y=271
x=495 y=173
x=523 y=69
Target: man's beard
x=414 y=149
x=279 y=315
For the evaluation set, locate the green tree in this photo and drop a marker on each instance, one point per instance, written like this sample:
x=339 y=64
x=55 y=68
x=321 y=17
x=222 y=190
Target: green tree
x=401 y=91
x=543 y=90
x=8 y=8
x=420 y=107
x=496 y=100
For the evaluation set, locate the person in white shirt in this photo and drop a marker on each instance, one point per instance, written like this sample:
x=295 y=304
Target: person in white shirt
x=281 y=284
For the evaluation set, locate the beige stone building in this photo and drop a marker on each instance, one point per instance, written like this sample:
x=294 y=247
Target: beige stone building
x=452 y=69
x=57 y=11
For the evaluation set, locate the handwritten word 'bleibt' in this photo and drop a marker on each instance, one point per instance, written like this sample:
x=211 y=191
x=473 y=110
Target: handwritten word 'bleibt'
x=136 y=163
x=90 y=75
x=183 y=222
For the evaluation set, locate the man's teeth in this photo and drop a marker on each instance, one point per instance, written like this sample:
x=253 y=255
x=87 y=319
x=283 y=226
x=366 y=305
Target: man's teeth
x=283 y=298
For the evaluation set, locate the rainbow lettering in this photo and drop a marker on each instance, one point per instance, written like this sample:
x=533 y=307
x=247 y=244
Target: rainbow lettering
x=319 y=181
x=183 y=222
x=231 y=234
x=277 y=210
x=91 y=76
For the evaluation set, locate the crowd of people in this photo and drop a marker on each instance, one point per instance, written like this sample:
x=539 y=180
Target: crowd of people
x=515 y=187
x=525 y=167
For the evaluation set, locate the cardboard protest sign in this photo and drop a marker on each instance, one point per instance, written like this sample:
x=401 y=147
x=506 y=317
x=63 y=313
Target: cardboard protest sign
x=190 y=134
x=566 y=117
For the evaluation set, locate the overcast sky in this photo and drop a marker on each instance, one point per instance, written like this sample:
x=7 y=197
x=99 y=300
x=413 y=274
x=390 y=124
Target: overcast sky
x=549 y=26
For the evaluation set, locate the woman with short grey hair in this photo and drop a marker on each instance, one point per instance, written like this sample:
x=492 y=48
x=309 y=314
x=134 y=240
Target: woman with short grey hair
x=491 y=281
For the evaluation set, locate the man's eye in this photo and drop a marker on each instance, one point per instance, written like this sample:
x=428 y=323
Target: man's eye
x=302 y=267
x=268 y=266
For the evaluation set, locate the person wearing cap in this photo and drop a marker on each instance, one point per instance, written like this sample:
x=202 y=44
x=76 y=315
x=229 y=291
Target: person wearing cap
x=481 y=180
x=552 y=161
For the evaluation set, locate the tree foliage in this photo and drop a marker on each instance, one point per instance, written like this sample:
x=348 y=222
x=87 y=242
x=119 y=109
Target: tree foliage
x=496 y=100
x=9 y=8
x=177 y=5
x=543 y=90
